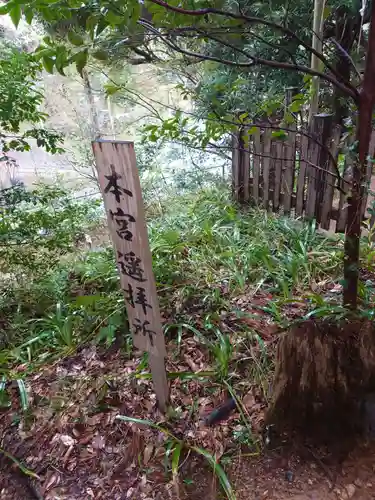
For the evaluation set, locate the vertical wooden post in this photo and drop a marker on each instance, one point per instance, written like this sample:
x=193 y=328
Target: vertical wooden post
x=290 y=156
x=314 y=152
x=278 y=175
x=240 y=181
x=303 y=157
x=343 y=203
x=330 y=180
x=266 y=166
x=235 y=165
x=367 y=181
x=323 y=164
x=119 y=182
x=256 y=162
x=246 y=166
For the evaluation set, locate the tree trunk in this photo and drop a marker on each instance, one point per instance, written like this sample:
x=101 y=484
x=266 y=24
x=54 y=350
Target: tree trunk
x=363 y=135
x=317 y=44
x=94 y=119
x=345 y=37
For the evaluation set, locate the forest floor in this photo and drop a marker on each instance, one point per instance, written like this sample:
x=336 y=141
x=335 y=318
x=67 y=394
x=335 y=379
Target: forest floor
x=228 y=283
x=72 y=446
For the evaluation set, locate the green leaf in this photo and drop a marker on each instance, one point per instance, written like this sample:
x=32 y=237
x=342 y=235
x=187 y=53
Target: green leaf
x=279 y=134
x=5 y=8
x=101 y=55
x=22 y=468
x=176 y=458
x=29 y=14
x=111 y=89
x=113 y=19
x=15 y=14
x=218 y=470
x=252 y=130
x=75 y=39
x=48 y=64
x=81 y=61
x=296 y=106
x=327 y=11
x=23 y=394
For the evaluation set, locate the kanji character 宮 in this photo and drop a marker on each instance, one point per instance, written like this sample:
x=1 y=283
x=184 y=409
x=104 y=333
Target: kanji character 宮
x=113 y=187
x=140 y=327
x=122 y=219
x=131 y=266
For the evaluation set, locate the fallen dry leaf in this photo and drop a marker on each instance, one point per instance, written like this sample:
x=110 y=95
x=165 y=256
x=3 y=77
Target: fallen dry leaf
x=98 y=443
x=67 y=440
x=147 y=454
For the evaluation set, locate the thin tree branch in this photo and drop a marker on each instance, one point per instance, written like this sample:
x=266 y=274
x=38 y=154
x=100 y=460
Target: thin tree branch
x=256 y=20
x=258 y=61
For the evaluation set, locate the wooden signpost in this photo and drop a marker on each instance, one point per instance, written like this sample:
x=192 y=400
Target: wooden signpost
x=121 y=189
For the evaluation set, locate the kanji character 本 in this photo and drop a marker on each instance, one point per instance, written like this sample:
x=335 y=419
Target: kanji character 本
x=113 y=187
x=142 y=299
x=122 y=220
x=130 y=265
x=140 y=327
x=130 y=295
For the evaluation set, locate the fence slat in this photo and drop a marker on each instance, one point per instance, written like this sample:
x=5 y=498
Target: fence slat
x=345 y=185
x=278 y=172
x=366 y=188
x=303 y=156
x=266 y=166
x=325 y=219
x=290 y=156
x=246 y=167
x=256 y=163
x=323 y=164
x=235 y=160
x=241 y=167
x=313 y=160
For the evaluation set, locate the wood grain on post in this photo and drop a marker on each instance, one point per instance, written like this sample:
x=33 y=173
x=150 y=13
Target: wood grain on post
x=343 y=203
x=241 y=168
x=278 y=175
x=119 y=182
x=256 y=163
x=323 y=164
x=235 y=160
x=314 y=152
x=266 y=166
x=325 y=219
x=246 y=166
x=303 y=157
x=367 y=180
x=290 y=157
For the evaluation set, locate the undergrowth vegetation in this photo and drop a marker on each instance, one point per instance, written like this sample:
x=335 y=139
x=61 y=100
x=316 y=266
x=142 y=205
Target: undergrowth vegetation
x=205 y=253
x=227 y=278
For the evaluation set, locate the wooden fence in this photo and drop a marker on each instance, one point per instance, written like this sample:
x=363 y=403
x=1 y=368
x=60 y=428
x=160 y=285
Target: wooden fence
x=304 y=174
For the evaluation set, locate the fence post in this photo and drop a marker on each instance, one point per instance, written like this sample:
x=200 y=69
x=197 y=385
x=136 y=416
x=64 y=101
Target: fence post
x=323 y=164
x=246 y=165
x=367 y=180
x=331 y=177
x=318 y=128
x=235 y=165
x=256 y=162
x=289 y=155
x=266 y=146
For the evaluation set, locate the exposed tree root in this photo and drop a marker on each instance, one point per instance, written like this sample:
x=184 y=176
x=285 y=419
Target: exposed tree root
x=323 y=372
